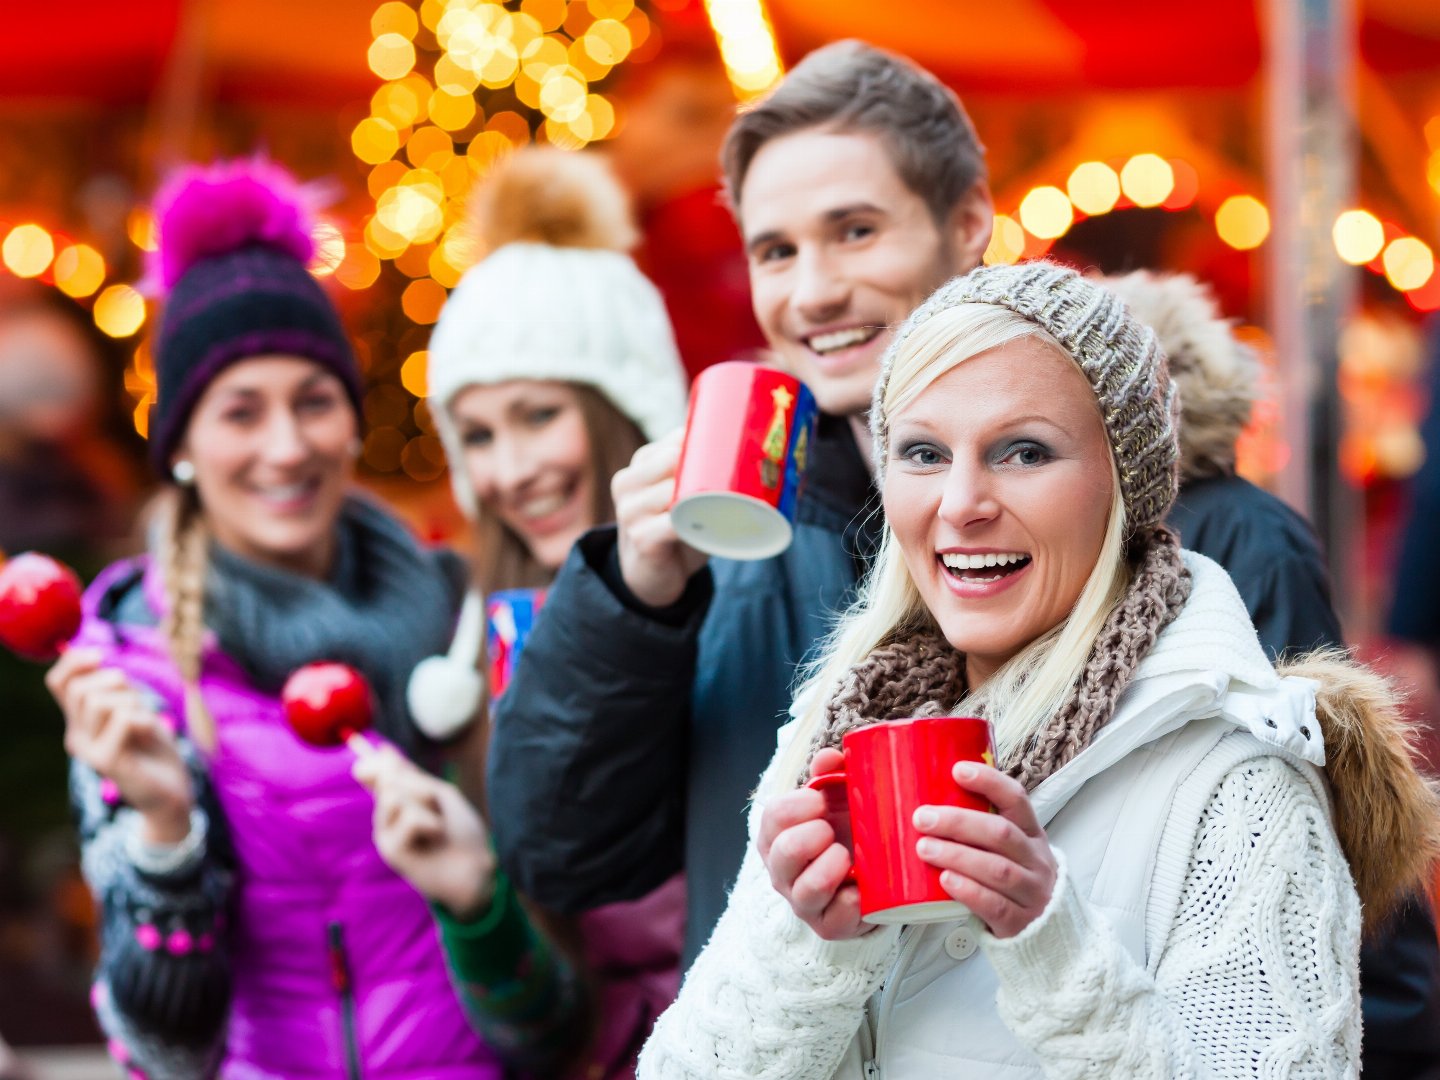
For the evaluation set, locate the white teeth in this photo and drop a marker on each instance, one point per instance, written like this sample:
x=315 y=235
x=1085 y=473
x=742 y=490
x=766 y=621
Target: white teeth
x=842 y=339
x=548 y=504
x=284 y=494
x=955 y=561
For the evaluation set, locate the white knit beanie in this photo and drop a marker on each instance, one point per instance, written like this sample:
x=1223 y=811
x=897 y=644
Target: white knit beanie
x=556 y=300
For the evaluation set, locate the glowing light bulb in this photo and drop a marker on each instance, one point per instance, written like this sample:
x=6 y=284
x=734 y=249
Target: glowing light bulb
x=415 y=373
x=360 y=268
x=746 y=39
x=1358 y=236
x=1147 y=180
x=119 y=311
x=1409 y=263
x=374 y=140
x=450 y=110
x=329 y=249
x=395 y=17
x=1046 y=213
x=1007 y=241
x=1094 y=188
x=1242 y=222
x=422 y=300
x=398 y=104
x=28 y=250
x=391 y=56
x=79 y=270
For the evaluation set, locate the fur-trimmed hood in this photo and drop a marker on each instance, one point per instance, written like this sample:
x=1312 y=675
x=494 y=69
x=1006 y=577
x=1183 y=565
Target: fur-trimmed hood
x=1387 y=813
x=1216 y=373
x=1209 y=661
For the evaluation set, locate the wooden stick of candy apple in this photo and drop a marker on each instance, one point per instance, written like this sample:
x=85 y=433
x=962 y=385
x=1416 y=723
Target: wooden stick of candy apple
x=328 y=705
x=39 y=606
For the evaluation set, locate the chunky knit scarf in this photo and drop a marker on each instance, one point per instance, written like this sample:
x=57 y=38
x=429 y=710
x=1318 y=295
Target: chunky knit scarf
x=387 y=604
x=921 y=674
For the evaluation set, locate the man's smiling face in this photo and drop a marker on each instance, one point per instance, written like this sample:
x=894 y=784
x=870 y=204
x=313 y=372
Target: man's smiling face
x=840 y=252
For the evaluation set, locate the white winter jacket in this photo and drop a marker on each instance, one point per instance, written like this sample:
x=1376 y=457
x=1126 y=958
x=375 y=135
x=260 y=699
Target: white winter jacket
x=1204 y=923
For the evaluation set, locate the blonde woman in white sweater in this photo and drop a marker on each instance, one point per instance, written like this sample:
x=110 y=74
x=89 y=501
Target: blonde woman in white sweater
x=1173 y=884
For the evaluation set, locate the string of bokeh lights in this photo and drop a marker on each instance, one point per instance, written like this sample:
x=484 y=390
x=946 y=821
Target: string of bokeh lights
x=1148 y=181
x=466 y=81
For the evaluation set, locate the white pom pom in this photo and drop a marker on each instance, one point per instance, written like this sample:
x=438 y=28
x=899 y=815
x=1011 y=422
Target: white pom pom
x=444 y=696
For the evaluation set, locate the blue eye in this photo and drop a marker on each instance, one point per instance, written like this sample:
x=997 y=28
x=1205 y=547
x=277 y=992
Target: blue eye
x=540 y=417
x=925 y=455
x=476 y=437
x=1028 y=454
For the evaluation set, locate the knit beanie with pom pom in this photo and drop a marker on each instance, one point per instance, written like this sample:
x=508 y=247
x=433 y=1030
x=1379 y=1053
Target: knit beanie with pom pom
x=234 y=242
x=555 y=298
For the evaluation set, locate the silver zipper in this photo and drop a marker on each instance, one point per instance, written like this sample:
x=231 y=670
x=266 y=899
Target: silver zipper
x=909 y=943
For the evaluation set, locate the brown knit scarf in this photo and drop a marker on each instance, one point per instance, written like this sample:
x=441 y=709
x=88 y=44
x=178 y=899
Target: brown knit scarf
x=921 y=674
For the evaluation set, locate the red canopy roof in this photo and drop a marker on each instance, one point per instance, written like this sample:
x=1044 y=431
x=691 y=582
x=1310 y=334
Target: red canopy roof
x=313 y=51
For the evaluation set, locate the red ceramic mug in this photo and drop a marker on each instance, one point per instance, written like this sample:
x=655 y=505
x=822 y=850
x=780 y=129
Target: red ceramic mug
x=891 y=770
x=748 y=436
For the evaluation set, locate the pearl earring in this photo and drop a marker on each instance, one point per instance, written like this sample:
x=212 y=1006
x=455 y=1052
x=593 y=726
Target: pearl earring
x=183 y=473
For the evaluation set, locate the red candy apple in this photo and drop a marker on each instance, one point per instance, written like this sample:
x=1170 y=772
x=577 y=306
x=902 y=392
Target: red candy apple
x=39 y=606
x=328 y=704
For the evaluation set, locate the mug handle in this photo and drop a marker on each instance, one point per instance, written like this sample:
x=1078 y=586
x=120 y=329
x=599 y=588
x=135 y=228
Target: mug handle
x=837 y=812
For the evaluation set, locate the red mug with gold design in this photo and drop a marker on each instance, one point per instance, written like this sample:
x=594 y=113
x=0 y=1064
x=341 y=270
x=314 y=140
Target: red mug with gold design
x=748 y=437
x=891 y=770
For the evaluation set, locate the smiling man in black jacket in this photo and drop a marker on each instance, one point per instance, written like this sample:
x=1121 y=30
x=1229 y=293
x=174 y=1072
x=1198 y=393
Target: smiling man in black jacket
x=646 y=702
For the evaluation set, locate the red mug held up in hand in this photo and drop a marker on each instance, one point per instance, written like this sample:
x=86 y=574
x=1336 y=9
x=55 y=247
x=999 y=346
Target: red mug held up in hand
x=891 y=770
x=748 y=437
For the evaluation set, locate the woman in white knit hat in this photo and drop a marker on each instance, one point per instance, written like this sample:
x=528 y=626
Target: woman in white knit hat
x=553 y=361
x=1171 y=884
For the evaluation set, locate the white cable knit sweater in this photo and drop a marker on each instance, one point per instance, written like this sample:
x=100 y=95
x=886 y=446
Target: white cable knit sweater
x=1253 y=974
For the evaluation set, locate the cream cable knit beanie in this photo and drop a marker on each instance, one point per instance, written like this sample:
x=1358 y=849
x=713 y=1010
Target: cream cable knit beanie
x=557 y=299
x=1118 y=354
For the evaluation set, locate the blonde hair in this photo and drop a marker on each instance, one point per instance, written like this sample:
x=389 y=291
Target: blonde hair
x=1029 y=688
x=183 y=552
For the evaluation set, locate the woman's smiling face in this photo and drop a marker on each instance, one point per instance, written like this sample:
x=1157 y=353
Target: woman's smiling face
x=998 y=488
x=529 y=459
x=273 y=443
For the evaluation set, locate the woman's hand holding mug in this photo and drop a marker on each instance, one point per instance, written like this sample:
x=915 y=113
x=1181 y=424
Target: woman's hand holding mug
x=112 y=727
x=655 y=563
x=429 y=834
x=808 y=865
x=999 y=865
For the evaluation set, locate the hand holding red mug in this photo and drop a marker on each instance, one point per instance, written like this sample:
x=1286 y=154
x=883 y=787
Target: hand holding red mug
x=999 y=865
x=808 y=864
x=429 y=834
x=112 y=727
x=655 y=563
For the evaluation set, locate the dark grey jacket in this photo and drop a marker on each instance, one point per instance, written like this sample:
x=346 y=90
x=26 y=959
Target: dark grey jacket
x=1271 y=554
x=628 y=741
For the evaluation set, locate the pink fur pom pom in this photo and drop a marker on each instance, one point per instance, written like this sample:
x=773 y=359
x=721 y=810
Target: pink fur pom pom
x=207 y=210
